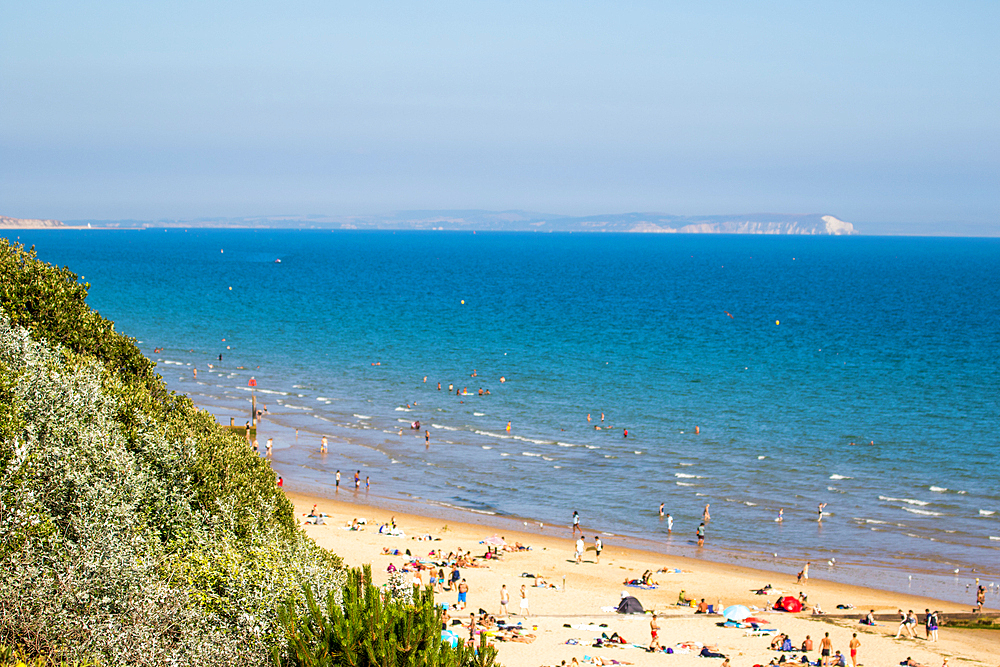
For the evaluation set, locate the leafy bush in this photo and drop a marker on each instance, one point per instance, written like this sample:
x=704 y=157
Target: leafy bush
x=369 y=628
x=133 y=529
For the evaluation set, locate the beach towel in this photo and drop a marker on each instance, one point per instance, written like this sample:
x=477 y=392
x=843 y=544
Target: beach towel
x=645 y=587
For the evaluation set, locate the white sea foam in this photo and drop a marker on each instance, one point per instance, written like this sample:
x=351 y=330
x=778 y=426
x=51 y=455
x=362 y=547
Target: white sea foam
x=363 y=416
x=591 y=446
x=938 y=489
x=546 y=458
x=874 y=521
x=395 y=461
x=404 y=421
x=565 y=444
x=322 y=398
x=504 y=454
x=908 y=501
x=402 y=410
x=296 y=407
x=444 y=428
x=923 y=512
x=761 y=458
x=268 y=391
x=479 y=414
x=557 y=467
x=684 y=484
x=638 y=451
x=529 y=454
x=749 y=504
x=486 y=446
x=686 y=476
x=172 y=363
x=840 y=477
x=994 y=537
x=987 y=512
x=685 y=464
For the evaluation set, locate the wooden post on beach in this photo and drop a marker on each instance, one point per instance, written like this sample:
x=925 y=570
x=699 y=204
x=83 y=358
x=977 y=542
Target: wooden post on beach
x=253 y=409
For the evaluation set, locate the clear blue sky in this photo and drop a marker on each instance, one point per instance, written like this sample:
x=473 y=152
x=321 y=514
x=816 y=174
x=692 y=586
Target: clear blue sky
x=885 y=114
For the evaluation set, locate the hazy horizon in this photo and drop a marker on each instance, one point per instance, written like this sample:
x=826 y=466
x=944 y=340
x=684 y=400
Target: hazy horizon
x=884 y=116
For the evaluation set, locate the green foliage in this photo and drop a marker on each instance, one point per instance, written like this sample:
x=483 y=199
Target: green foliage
x=133 y=529
x=369 y=628
x=18 y=657
x=51 y=303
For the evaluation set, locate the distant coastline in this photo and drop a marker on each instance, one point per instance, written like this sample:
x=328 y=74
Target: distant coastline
x=812 y=224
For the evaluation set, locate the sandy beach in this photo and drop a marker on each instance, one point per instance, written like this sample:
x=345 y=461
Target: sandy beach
x=576 y=609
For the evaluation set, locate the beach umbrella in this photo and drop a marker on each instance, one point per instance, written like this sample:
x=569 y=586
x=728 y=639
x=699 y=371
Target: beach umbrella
x=788 y=603
x=494 y=541
x=736 y=612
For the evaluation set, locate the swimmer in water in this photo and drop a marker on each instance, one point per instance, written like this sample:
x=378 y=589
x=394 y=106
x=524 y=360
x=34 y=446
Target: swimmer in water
x=588 y=417
x=819 y=511
x=508 y=427
x=705 y=515
x=503 y=379
x=781 y=515
x=322 y=445
x=661 y=509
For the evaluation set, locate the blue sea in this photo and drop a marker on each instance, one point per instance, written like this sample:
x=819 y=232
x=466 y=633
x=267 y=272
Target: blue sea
x=755 y=373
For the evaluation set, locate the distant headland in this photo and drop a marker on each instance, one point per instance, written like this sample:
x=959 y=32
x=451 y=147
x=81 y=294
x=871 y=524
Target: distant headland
x=22 y=223
x=511 y=221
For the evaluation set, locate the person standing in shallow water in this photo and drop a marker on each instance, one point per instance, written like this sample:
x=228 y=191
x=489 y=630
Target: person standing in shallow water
x=700 y=533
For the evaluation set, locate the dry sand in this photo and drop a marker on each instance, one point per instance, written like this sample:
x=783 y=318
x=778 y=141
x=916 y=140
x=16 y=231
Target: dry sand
x=590 y=586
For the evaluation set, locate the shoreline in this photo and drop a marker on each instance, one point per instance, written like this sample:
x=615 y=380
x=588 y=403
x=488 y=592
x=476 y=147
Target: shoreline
x=904 y=581
x=583 y=589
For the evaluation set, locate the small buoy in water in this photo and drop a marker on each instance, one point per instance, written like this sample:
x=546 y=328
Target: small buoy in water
x=463 y=302
x=777 y=322
x=230 y=288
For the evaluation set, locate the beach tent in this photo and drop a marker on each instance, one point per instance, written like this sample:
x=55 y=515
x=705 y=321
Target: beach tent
x=788 y=603
x=736 y=612
x=629 y=605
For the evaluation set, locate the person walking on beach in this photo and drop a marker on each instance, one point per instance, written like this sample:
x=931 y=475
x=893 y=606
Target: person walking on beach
x=463 y=594
x=932 y=626
x=854 y=649
x=338 y=480
x=580 y=546
x=576 y=522
x=902 y=624
x=598 y=547
x=654 y=634
x=504 y=601
x=980 y=598
x=700 y=533
x=524 y=602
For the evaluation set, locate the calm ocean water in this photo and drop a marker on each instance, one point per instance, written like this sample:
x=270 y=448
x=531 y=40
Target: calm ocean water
x=790 y=354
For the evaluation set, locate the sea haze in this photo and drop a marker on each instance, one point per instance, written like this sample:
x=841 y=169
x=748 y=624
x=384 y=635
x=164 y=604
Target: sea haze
x=790 y=354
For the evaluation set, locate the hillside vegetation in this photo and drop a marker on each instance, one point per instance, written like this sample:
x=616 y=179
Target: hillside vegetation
x=132 y=528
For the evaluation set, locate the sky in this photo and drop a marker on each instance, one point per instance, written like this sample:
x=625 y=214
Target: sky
x=885 y=114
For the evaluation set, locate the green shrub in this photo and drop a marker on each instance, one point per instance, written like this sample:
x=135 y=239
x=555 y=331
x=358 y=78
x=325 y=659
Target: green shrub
x=371 y=628
x=133 y=529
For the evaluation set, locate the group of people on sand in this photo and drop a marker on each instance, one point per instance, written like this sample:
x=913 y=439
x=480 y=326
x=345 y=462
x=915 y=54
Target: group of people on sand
x=908 y=625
